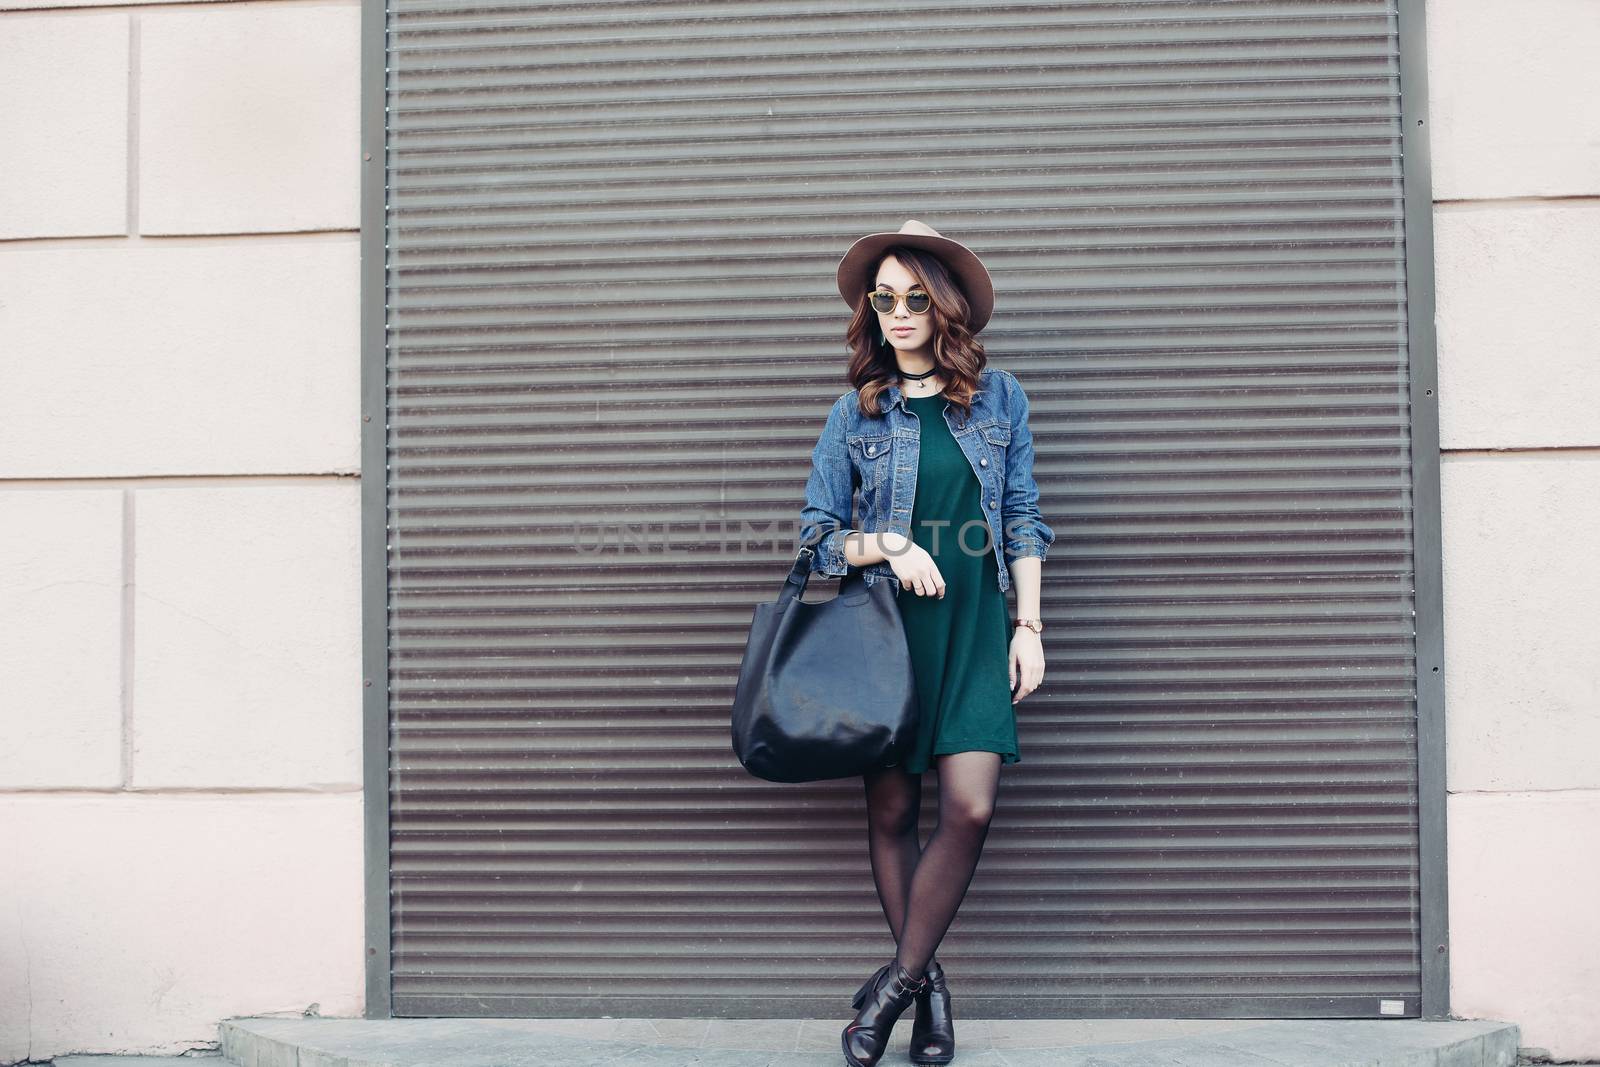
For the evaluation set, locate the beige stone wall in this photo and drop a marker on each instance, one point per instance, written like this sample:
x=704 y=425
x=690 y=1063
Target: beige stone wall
x=180 y=686
x=1515 y=117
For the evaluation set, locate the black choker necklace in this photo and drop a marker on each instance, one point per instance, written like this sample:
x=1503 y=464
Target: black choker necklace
x=930 y=372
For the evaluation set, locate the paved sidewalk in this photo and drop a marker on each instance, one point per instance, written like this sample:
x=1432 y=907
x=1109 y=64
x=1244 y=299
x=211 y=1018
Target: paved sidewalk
x=322 y=1042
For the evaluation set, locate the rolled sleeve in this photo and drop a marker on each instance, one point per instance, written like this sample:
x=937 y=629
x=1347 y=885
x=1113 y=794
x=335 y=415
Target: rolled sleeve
x=824 y=521
x=1025 y=531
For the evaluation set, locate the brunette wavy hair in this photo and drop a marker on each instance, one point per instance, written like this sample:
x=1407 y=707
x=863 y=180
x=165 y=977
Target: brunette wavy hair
x=957 y=353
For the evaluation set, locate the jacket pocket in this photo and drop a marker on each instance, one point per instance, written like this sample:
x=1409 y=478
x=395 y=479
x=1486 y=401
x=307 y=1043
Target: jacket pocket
x=999 y=439
x=870 y=457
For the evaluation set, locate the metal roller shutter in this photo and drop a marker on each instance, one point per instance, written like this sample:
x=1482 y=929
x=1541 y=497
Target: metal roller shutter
x=611 y=230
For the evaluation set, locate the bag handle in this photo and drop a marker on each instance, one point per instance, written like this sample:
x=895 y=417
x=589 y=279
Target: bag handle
x=794 y=584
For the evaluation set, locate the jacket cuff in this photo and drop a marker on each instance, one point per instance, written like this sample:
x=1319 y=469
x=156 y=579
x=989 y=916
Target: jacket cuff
x=1018 y=548
x=828 y=557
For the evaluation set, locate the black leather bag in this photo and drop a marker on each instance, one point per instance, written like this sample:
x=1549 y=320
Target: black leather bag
x=825 y=690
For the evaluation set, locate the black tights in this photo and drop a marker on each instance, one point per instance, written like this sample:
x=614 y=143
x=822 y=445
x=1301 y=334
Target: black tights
x=920 y=889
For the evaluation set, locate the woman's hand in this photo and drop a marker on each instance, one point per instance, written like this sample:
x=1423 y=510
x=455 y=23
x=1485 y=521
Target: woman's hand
x=912 y=565
x=1027 y=662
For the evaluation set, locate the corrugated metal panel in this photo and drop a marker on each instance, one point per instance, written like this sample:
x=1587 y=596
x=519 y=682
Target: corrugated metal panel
x=611 y=235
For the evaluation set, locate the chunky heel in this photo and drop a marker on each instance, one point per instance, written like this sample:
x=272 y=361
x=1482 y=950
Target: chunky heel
x=887 y=994
x=866 y=987
x=933 y=1030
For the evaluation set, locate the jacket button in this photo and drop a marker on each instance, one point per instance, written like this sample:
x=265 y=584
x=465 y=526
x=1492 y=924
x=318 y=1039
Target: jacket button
x=871 y=449
x=983 y=463
x=992 y=504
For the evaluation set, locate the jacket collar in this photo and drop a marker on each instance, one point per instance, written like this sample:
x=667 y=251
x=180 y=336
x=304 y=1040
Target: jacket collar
x=891 y=397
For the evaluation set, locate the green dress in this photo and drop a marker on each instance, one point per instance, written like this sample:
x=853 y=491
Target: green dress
x=960 y=644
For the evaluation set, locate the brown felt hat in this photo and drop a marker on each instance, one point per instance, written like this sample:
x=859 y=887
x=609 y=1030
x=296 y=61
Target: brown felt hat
x=963 y=263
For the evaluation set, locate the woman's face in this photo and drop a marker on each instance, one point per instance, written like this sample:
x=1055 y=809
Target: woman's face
x=906 y=332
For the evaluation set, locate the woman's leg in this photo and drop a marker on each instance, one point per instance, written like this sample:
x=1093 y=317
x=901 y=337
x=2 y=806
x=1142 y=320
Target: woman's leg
x=968 y=782
x=894 y=797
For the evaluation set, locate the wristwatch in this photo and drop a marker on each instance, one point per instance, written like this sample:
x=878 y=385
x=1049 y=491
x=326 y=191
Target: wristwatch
x=1036 y=625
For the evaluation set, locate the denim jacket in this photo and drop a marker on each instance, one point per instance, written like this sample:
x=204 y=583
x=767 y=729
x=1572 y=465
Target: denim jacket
x=871 y=462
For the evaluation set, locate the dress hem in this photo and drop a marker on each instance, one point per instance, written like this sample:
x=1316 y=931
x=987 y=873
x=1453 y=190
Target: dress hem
x=1008 y=754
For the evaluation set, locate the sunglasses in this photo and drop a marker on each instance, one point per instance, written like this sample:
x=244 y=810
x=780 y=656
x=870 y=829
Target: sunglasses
x=885 y=300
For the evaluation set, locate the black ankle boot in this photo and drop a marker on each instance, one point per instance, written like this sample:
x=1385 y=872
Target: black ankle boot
x=933 y=1031
x=882 y=999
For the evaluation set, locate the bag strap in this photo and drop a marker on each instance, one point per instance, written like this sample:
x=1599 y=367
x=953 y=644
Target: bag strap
x=794 y=584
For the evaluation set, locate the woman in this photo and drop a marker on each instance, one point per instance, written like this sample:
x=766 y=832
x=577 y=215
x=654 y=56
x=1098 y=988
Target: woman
x=938 y=447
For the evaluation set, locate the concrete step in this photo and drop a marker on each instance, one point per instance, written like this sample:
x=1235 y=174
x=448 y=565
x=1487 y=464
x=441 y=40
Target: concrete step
x=326 y=1042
